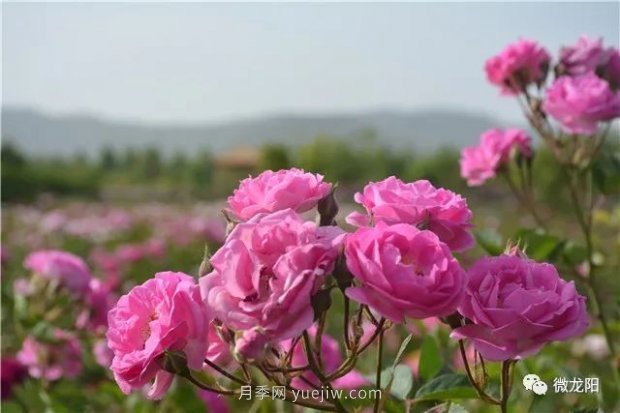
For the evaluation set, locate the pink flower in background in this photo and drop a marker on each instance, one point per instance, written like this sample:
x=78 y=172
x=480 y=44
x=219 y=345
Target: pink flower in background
x=52 y=361
x=403 y=272
x=585 y=56
x=517 y=305
x=274 y=191
x=103 y=354
x=580 y=103
x=215 y=403
x=4 y=255
x=12 y=372
x=610 y=71
x=68 y=269
x=520 y=63
x=164 y=313
x=417 y=203
x=480 y=163
x=98 y=301
x=589 y=55
x=332 y=359
x=267 y=271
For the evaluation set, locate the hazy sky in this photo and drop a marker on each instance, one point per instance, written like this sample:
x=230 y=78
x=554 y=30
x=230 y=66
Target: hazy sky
x=209 y=62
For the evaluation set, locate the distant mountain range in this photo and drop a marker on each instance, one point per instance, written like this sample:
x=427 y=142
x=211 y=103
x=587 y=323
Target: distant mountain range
x=424 y=131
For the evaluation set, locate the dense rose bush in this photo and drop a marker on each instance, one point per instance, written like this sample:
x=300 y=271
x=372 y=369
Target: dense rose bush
x=274 y=191
x=517 y=306
x=267 y=271
x=520 y=64
x=52 y=360
x=165 y=313
x=417 y=203
x=482 y=162
x=580 y=103
x=403 y=272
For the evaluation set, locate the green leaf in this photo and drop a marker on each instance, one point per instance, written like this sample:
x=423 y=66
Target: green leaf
x=430 y=359
x=401 y=350
x=606 y=172
x=539 y=245
x=490 y=241
x=446 y=387
x=397 y=381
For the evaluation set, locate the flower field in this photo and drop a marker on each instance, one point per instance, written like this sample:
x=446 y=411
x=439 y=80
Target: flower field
x=300 y=293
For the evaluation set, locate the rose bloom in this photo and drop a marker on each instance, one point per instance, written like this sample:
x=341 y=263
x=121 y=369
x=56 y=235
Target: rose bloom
x=68 y=269
x=520 y=63
x=590 y=55
x=274 y=191
x=164 y=313
x=496 y=148
x=52 y=361
x=403 y=272
x=98 y=301
x=584 y=56
x=332 y=359
x=580 y=103
x=517 y=305
x=267 y=271
x=417 y=203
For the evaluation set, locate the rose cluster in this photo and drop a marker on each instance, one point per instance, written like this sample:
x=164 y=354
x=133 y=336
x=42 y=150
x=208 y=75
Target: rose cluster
x=584 y=93
x=258 y=297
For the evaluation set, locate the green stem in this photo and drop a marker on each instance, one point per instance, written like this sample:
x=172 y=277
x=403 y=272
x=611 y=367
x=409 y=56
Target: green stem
x=483 y=395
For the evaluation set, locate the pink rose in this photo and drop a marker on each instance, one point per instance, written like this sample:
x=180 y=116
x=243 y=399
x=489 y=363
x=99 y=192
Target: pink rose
x=332 y=359
x=589 y=55
x=580 y=103
x=103 y=354
x=417 y=203
x=518 y=65
x=517 y=305
x=583 y=57
x=98 y=301
x=403 y=272
x=274 y=191
x=164 y=313
x=268 y=270
x=215 y=403
x=67 y=269
x=52 y=361
x=496 y=148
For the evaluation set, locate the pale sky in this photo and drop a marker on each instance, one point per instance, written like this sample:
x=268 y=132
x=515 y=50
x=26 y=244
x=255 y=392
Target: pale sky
x=188 y=62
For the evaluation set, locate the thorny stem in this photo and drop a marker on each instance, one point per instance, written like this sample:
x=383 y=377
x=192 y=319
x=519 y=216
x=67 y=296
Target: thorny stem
x=349 y=363
x=378 y=371
x=506 y=384
x=318 y=373
x=483 y=395
x=525 y=199
x=347 y=339
x=224 y=372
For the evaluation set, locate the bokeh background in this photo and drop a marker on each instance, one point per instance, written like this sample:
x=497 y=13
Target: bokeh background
x=126 y=125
